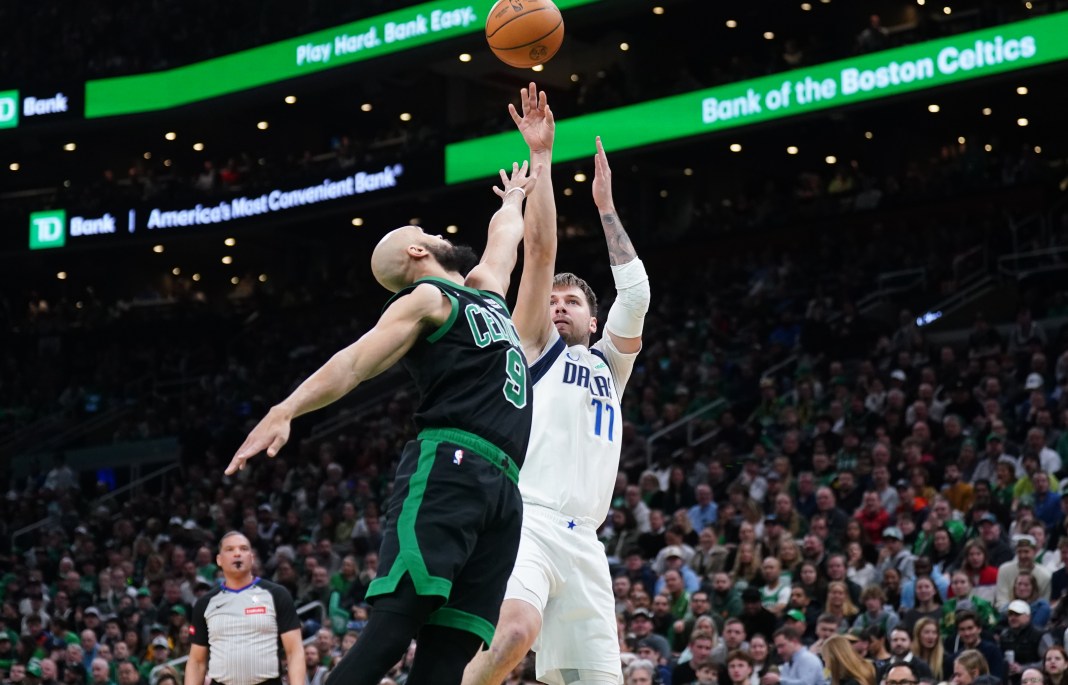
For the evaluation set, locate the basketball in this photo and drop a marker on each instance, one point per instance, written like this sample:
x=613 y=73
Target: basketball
x=523 y=33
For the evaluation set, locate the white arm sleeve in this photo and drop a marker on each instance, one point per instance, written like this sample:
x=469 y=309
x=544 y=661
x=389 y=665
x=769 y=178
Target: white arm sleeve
x=627 y=315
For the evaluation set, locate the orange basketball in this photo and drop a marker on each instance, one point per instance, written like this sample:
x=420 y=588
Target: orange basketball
x=523 y=33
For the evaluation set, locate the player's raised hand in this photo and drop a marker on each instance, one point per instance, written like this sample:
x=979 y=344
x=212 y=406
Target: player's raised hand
x=518 y=180
x=602 y=179
x=536 y=124
x=269 y=435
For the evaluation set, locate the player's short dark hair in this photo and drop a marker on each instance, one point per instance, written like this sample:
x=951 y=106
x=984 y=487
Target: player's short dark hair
x=230 y=534
x=570 y=280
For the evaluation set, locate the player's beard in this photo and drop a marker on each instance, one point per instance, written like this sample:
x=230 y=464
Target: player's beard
x=458 y=258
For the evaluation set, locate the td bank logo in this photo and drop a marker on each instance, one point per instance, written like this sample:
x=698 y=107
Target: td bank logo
x=48 y=229
x=9 y=109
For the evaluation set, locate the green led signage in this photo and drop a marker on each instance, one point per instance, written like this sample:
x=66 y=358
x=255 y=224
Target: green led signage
x=48 y=229
x=9 y=109
x=373 y=37
x=835 y=84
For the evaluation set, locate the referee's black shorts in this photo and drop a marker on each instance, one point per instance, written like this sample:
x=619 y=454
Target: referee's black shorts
x=454 y=523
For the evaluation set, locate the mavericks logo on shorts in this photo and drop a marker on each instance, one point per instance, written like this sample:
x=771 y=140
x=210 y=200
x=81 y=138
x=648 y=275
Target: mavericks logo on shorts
x=255 y=610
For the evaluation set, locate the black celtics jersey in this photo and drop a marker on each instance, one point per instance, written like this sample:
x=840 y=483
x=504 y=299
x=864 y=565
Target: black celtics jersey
x=471 y=372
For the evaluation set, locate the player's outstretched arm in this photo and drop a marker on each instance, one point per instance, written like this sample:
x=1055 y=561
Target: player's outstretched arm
x=494 y=272
x=380 y=348
x=531 y=316
x=626 y=318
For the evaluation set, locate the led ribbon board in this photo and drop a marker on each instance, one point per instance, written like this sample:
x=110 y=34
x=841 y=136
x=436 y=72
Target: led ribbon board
x=883 y=74
x=361 y=40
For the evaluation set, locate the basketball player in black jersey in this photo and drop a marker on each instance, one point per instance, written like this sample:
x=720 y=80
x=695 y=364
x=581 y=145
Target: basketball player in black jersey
x=455 y=514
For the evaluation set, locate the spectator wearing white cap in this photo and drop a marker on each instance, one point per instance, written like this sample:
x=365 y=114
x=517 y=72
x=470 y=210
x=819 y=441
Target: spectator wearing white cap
x=1021 y=641
x=895 y=555
x=1024 y=561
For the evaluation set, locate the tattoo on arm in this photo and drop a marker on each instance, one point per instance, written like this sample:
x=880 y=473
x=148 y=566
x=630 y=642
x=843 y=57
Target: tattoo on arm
x=620 y=249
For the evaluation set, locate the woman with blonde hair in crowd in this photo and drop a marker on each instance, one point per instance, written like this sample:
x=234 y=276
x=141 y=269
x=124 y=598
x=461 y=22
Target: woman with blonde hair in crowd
x=970 y=668
x=789 y=558
x=746 y=535
x=927 y=646
x=845 y=666
x=746 y=569
x=840 y=605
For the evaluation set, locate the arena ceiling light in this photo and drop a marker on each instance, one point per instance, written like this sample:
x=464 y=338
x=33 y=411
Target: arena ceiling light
x=262 y=278
x=262 y=125
x=1022 y=121
x=176 y=271
x=658 y=10
x=158 y=249
x=452 y=229
x=406 y=116
x=580 y=177
x=357 y=221
x=736 y=147
x=230 y=242
x=987 y=111
x=70 y=147
x=805 y=7
x=199 y=147
x=365 y=107
x=792 y=150
x=732 y=24
x=14 y=166
x=62 y=275
x=830 y=159
x=934 y=109
x=170 y=135
x=465 y=57
x=1021 y=90
x=538 y=67
x=291 y=99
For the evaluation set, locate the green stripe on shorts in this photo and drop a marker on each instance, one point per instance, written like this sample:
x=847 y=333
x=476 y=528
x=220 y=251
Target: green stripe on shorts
x=409 y=556
x=461 y=620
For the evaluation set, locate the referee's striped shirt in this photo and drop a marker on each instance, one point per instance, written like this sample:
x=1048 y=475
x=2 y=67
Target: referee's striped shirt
x=242 y=630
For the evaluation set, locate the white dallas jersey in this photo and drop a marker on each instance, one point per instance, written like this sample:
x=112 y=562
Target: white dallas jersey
x=573 y=456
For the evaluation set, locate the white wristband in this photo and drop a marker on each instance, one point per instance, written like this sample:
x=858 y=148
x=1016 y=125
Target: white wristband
x=512 y=190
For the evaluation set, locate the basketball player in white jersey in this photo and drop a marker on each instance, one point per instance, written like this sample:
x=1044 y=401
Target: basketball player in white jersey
x=559 y=599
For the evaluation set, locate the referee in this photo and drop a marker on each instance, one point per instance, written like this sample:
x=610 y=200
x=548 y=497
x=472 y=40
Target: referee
x=236 y=627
